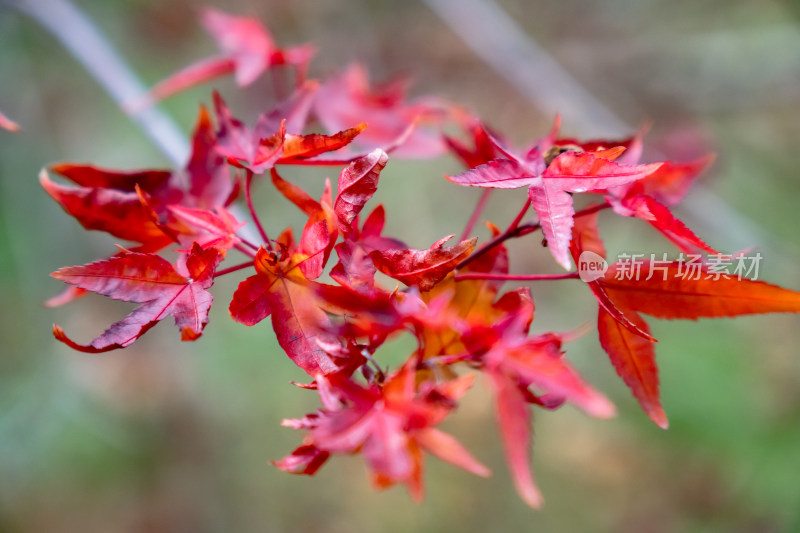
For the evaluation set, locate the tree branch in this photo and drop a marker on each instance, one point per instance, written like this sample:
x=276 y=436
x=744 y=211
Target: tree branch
x=98 y=56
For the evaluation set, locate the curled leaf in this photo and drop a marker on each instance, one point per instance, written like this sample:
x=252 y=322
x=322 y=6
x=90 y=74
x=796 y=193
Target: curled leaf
x=422 y=268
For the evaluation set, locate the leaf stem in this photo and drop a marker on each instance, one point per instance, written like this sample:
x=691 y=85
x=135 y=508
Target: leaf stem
x=513 y=277
x=523 y=229
x=444 y=360
x=244 y=250
x=518 y=218
x=379 y=371
x=476 y=213
x=248 y=243
x=234 y=268
x=89 y=46
x=256 y=221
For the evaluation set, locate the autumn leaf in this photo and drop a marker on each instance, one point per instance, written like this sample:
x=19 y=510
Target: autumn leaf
x=66 y=296
x=669 y=184
x=586 y=238
x=8 y=124
x=574 y=172
x=513 y=362
x=484 y=145
x=634 y=359
x=633 y=146
x=305 y=460
x=320 y=231
x=269 y=143
x=538 y=362
x=661 y=218
x=292 y=110
x=136 y=205
x=422 y=268
x=349 y=98
x=549 y=185
x=299 y=147
x=648 y=199
x=250 y=45
x=248 y=50
x=209 y=228
x=355 y=268
x=514 y=419
x=474 y=301
x=624 y=335
x=257 y=150
x=280 y=290
x=665 y=289
x=516 y=362
x=115 y=211
x=91 y=176
x=675 y=290
x=210 y=184
x=152 y=281
x=389 y=426
x=357 y=183
x=672 y=292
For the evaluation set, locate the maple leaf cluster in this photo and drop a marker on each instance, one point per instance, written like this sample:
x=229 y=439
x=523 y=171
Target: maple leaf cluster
x=318 y=285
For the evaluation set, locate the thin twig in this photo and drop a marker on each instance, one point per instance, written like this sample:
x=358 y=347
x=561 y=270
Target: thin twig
x=256 y=221
x=476 y=213
x=518 y=218
x=234 y=268
x=245 y=251
x=520 y=230
x=98 y=56
x=248 y=243
x=514 y=277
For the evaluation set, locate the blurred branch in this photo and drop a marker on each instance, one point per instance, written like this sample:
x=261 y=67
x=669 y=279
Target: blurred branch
x=99 y=57
x=499 y=41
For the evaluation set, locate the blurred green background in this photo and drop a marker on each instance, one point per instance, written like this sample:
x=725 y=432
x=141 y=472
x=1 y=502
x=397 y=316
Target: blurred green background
x=170 y=436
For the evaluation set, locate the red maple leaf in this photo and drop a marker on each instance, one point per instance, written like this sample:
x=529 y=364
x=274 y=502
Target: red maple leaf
x=209 y=178
x=152 y=281
x=8 y=124
x=669 y=184
x=634 y=359
x=115 y=209
x=549 y=183
x=648 y=199
x=390 y=425
x=248 y=50
x=485 y=145
x=676 y=289
x=135 y=205
x=209 y=228
x=281 y=290
x=671 y=293
x=270 y=143
x=664 y=289
x=624 y=335
x=320 y=232
x=498 y=341
x=586 y=238
x=349 y=98
x=357 y=183
x=423 y=268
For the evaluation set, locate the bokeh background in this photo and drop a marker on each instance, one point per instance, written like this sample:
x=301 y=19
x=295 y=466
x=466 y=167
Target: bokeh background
x=170 y=436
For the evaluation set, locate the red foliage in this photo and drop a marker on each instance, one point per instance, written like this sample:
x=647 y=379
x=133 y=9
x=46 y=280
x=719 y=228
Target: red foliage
x=451 y=300
x=8 y=124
